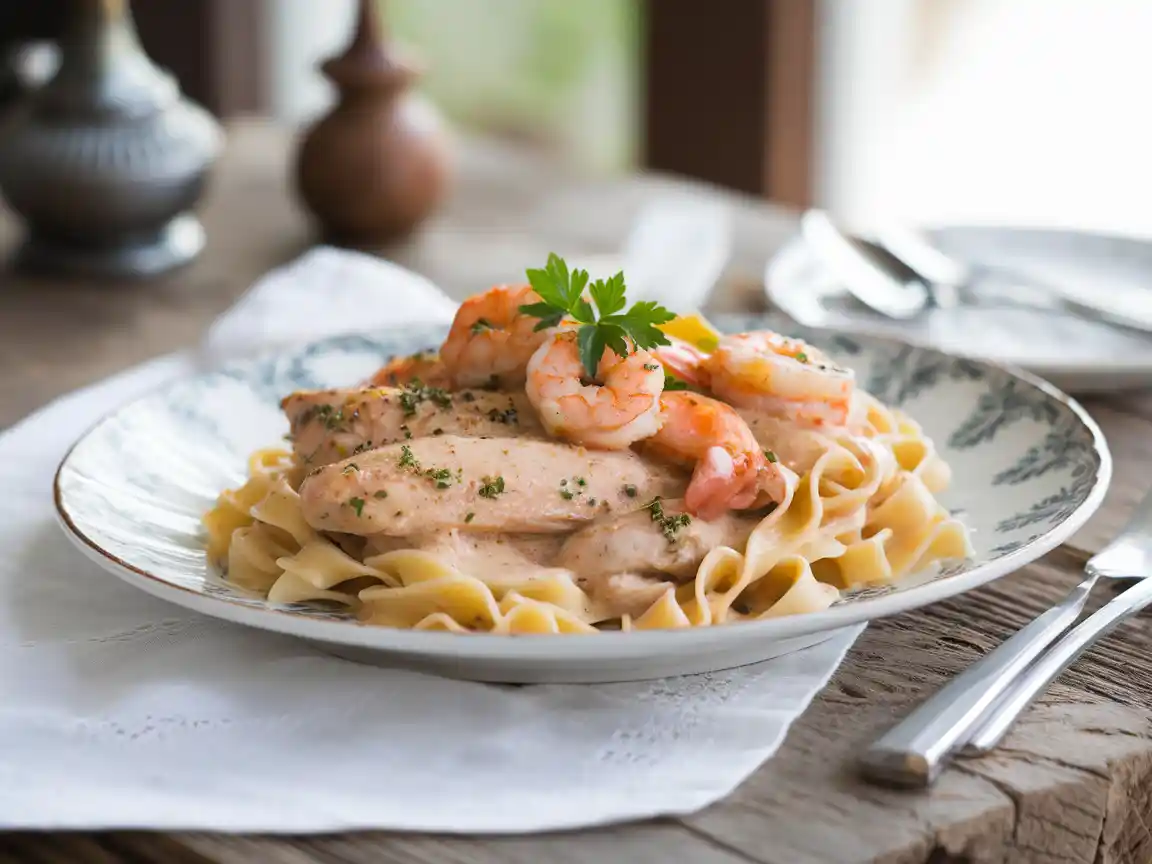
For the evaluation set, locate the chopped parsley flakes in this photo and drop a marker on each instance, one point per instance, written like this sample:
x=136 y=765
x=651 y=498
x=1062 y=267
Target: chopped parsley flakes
x=770 y=456
x=350 y=468
x=508 y=416
x=568 y=493
x=357 y=504
x=442 y=477
x=331 y=416
x=669 y=525
x=492 y=487
x=415 y=393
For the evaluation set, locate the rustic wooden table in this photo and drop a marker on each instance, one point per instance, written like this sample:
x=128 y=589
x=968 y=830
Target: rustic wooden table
x=1073 y=782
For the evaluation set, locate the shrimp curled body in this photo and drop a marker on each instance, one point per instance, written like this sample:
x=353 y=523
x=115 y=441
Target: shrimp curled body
x=731 y=471
x=624 y=407
x=424 y=367
x=787 y=378
x=491 y=340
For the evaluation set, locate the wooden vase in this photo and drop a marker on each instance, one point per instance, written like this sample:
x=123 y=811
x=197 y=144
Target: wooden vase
x=378 y=163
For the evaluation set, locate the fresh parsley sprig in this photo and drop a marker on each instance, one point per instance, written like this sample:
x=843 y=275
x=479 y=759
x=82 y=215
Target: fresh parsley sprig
x=605 y=324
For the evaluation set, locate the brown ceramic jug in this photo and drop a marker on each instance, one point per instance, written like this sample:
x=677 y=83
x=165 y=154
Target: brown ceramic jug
x=378 y=163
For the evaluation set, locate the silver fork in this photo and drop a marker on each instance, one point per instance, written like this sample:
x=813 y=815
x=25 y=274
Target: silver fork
x=978 y=706
x=900 y=275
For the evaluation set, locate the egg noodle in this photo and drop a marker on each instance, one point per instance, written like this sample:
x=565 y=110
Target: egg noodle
x=864 y=514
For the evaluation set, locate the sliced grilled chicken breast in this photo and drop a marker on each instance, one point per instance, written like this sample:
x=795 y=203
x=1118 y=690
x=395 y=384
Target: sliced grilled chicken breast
x=330 y=425
x=480 y=484
x=648 y=542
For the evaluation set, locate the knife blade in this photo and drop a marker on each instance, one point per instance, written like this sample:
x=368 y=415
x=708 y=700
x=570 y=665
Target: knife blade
x=996 y=723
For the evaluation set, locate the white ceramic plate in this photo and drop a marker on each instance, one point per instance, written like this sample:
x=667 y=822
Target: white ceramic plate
x=1030 y=466
x=1076 y=354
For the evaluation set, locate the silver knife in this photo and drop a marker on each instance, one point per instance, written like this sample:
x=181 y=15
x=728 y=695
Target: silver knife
x=995 y=724
x=970 y=707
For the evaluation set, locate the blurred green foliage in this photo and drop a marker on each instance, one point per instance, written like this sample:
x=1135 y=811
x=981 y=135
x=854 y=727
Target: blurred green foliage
x=562 y=74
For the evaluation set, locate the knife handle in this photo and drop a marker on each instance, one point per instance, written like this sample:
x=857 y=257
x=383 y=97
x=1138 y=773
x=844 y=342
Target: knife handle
x=996 y=723
x=913 y=752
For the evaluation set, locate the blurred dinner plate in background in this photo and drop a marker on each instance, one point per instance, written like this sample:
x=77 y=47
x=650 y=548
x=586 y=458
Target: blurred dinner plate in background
x=1075 y=353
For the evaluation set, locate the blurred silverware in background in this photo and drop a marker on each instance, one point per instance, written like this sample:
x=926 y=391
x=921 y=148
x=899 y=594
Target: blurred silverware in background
x=896 y=294
x=900 y=273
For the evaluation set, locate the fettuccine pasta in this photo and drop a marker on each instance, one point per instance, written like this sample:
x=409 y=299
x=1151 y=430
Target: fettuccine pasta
x=765 y=485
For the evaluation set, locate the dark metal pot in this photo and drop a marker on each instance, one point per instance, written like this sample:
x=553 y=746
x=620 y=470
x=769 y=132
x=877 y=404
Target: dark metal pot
x=106 y=161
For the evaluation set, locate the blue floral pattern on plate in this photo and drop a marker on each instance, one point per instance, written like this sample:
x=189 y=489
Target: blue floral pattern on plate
x=1028 y=464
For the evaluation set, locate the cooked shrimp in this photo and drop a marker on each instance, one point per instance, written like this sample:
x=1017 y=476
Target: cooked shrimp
x=685 y=362
x=624 y=407
x=491 y=340
x=423 y=366
x=731 y=471
x=787 y=378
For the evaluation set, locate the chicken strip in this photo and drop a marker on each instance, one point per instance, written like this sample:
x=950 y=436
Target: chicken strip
x=626 y=563
x=795 y=446
x=330 y=425
x=495 y=559
x=480 y=484
x=658 y=539
x=624 y=593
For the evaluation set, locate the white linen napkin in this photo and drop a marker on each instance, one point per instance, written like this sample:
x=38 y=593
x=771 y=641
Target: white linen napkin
x=118 y=710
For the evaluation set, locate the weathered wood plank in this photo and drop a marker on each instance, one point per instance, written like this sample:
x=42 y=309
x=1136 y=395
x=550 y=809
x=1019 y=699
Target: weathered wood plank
x=988 y=810
x=655 y=843
x=58 y=849
x=1138 y=402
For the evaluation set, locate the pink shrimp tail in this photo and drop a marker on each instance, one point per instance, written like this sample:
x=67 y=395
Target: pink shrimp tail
x=719 y=484
x=685 y=362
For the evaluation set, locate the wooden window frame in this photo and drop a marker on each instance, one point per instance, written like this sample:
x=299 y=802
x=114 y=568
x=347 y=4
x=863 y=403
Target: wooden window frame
x=729 y=92
x=728 y=85
x=217 y=49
